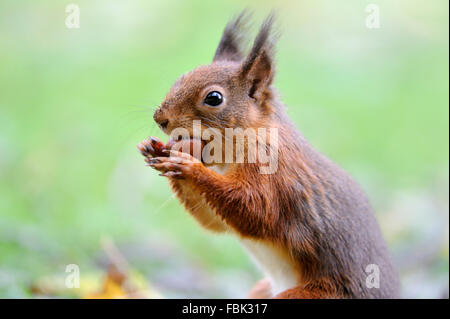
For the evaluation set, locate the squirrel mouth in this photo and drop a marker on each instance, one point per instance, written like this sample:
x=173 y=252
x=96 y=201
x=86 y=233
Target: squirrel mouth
x=183 y=138
x=184 y=143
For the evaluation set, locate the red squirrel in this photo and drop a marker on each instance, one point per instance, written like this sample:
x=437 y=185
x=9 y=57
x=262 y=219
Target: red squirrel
x=308 y=225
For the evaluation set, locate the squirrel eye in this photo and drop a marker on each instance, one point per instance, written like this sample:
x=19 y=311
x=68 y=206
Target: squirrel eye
x=213 y=98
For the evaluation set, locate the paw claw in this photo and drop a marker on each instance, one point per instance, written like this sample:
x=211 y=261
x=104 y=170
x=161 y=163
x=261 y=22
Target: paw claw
x=154 y=139
x=153 y=160
x=174 y=174
x=149 y=149
x=146 y=149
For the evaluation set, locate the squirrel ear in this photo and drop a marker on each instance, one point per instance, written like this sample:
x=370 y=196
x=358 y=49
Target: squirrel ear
x=259 y=67
x=229 y=47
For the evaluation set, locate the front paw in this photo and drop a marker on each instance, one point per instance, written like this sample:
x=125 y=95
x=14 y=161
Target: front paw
x=179 y=165
x=153 y=147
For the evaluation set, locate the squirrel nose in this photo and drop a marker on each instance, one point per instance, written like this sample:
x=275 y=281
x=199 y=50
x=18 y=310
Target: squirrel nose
x=160 y=119
x=164 y=124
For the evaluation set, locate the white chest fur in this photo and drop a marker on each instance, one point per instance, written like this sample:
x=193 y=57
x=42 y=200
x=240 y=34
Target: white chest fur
x=273 y=263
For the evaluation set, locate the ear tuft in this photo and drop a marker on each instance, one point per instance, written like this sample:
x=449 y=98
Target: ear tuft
x=259 y=67
x=229 y=47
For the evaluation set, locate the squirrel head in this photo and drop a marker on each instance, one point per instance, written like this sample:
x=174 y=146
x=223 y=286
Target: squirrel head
x=233 y=91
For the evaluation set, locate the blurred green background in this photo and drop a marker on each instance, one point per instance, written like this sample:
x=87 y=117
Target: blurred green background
x=75 y=102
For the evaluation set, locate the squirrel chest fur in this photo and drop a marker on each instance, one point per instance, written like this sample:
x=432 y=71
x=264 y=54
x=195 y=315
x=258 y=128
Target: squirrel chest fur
x=273 y=261
x=306 y=223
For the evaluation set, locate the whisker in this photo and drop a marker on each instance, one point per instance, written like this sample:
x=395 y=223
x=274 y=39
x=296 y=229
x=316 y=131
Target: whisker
x=156 y=211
